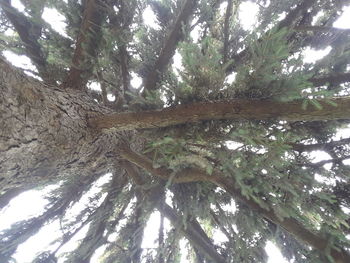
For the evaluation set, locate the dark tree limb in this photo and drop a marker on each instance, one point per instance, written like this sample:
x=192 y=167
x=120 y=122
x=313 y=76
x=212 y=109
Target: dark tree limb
x=216 y=220
x=185 y=176
x=323 y=162
x=324 y=29
x=103 y=88
x=226 y=29
x=288 y=21
x=169 y=47
x=29 y=33
x=291 y=225
x=10 y=194
x=225 y=110
x=24 y=230
x=87 y=44
x=67 y=237
x=121 y=27
x=319 y=146
x=161 y=239
x=294 y=14
x=124 y=67
x=334 y=79
x=95 y=235
x=193 y=231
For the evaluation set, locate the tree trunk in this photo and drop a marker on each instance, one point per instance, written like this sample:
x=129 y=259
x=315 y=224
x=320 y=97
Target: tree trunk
x=44 y=135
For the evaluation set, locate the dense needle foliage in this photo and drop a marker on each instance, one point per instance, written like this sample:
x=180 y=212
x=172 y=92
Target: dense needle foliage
x=250 y=180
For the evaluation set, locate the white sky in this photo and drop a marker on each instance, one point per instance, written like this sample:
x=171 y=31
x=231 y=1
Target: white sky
x=22 y=206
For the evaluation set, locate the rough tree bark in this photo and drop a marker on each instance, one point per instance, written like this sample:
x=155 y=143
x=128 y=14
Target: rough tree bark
x=44 y=134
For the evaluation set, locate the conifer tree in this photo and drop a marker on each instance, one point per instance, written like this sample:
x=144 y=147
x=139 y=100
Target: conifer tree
x=222 y=142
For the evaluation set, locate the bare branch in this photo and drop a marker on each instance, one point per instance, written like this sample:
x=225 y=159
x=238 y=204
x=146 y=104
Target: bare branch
x=226 y=110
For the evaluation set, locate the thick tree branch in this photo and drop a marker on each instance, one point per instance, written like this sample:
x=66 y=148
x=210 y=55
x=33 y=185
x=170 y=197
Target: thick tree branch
x=169 y=46
x=183 y=176
x=228 y=183
x=87 y=44
x=225 y=110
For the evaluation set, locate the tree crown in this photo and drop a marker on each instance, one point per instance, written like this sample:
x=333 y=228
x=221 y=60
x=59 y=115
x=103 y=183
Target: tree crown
x=218 y=135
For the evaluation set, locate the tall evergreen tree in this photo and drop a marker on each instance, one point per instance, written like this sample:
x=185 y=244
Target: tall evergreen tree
x=222 y=143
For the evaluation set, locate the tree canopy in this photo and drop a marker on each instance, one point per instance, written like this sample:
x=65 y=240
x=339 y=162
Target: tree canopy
x=213 y=124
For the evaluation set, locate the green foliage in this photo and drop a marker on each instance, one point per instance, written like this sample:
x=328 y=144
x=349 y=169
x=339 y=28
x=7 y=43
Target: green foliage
x=271 y=73
x=270 y=162
x=203 y=75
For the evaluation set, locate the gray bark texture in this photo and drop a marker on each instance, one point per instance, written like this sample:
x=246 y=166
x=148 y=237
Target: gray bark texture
x=44 y=135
